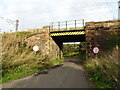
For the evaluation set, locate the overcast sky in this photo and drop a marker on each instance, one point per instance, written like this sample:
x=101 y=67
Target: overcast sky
x=38 y=13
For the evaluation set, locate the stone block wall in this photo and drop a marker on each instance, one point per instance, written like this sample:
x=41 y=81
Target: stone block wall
x=46 y=44
x=99 y=33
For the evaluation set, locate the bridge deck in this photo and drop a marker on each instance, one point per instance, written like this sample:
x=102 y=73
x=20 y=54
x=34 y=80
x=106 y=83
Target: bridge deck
x=68 y=32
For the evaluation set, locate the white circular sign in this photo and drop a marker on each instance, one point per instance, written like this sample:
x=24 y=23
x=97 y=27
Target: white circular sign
x=96 y=50
x=35 y=48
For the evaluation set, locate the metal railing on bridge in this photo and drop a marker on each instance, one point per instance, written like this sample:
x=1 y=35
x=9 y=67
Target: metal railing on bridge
x=67 y=25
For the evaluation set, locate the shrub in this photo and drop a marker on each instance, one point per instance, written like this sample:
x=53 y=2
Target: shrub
x=104 y=71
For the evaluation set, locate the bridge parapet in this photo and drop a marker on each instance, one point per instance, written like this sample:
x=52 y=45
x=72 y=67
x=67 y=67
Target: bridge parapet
x=103 y=25
x=67 y=25
x=102 y=34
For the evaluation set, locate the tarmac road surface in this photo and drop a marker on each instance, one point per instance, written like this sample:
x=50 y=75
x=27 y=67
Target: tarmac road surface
x=68 y=75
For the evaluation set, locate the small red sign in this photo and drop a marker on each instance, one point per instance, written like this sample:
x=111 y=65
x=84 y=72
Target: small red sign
x=96 y=50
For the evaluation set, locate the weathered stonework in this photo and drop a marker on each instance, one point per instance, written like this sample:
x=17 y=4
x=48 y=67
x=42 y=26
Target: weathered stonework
x=98 y=33
x=46 y=44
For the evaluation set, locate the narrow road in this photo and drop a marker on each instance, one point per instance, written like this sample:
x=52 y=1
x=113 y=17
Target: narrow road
x=69 y=75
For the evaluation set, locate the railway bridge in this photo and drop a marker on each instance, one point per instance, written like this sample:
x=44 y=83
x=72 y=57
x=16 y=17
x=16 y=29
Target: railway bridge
x=67 y=31
x=92 y=33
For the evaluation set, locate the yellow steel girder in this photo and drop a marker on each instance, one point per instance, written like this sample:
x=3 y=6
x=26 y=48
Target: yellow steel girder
x=67 y=33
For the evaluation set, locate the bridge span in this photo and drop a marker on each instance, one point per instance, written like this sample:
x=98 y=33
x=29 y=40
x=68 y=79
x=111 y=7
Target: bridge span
x=92 y=33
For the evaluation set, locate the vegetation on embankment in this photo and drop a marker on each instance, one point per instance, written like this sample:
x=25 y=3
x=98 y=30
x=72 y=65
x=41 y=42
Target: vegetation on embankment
x=18 y=58
x=104 y=72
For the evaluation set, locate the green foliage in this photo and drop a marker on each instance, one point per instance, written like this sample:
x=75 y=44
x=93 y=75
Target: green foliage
x=82 y=56
x=107 y=39
x=74 y=51
x=57 y=62
x=23 y=34
x=27 y=69
x=68 y=49
x=113 y=40
x=102 y=85
x=104 y=71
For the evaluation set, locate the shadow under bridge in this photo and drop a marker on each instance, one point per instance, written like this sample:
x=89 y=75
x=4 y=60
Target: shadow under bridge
x=68 y=31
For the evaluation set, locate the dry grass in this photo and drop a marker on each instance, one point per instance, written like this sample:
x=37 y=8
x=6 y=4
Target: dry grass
x=14 y=50
x=104 y=71
x=18 y=58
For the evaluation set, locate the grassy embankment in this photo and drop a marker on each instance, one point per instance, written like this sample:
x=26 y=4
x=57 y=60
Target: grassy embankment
x=104 y=72
x=18 y=58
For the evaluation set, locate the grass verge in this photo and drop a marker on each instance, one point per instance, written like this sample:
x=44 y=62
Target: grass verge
x=27 y=69
x=104 y=72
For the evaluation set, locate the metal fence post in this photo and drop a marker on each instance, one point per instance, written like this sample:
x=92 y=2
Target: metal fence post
x=59 y=25
x=52 y=26
x=66 y=24
x=75 y=24
x=83 y=23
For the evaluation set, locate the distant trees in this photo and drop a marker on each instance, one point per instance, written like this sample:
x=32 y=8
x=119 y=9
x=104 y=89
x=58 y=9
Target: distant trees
x=68 y=49
x=73 y=49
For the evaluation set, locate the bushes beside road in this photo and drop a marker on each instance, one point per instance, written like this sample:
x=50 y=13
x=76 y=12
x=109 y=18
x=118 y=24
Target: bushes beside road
x=104 y=72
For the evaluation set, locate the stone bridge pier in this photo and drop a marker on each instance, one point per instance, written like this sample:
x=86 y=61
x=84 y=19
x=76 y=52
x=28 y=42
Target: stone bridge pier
x=45 y=42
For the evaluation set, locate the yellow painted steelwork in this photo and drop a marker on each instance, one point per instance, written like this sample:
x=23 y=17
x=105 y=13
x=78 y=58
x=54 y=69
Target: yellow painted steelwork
x=68 y=33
